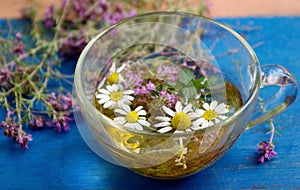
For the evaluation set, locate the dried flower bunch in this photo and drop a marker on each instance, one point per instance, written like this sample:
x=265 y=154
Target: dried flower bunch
x=31 y=62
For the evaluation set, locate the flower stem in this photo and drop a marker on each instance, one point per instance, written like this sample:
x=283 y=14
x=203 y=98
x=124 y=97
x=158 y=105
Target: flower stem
x=272 y=130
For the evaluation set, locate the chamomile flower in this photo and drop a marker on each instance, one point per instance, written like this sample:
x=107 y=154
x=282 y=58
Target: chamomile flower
x=114 y=76
x=181 y=161
x=211 y=114
x=132 y=119
x=113 y=96
x=181 y=119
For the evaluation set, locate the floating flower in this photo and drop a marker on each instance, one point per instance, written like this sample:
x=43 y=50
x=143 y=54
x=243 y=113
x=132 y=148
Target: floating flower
x=114 y=75
x=181 y=119
x=132 y=119
x=212 y=114
x=181 y=161
x=114 y=96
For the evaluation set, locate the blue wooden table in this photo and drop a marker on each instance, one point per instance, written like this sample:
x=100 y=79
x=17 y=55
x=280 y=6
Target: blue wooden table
x=64 y=161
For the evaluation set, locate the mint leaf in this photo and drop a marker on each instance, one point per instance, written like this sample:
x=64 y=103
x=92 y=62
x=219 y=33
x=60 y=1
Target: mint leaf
x=200 y=83
x=185 y=76
x=189 y=92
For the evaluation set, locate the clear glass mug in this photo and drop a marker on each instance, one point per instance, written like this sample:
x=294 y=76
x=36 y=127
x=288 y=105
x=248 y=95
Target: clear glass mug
x=213 y=50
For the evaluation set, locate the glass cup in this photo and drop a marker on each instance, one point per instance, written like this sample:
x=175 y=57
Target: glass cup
x=203 y=63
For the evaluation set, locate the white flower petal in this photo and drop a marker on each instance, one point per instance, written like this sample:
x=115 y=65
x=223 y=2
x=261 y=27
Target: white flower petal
x=195 y=127
x=120 y=69
x=121 y=79
x=129 y=125
x=210 y=123
x=178 y=106
x=138 y=108
x=113 y=67
x=198 y=121
x=103 y=100
x=104 y=91
x=127 y=92
x=120 y=120
x=162 y=118
x=221 y=109
x=193 y=115
x=126 y=108
x=110 y=88
x=127 y=97
x=165 y=129
x=205 y=106
x=142 y=112
x=162 y=124
x=204 y=124
x=200 y=111
x=100 y=84
x=217 y=121
x=178 y=131
x=223 y=117
x=120 y=111
x=213 y=105
x=144 y=122
x=109 y=104
x=168 y=111
x=100 y=96
x=187 y=108
x=180 y=140
x=137 y=126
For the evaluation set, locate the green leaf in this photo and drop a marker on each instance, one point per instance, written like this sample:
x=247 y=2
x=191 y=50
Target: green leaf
x=189 y=92
x=185 y=76
x=200 y=83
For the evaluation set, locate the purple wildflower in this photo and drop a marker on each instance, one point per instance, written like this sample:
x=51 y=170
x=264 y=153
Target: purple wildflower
x=4 y=76
x=167 y=73
x=118 y=15
x=49 y=17
x=14 y=130
x=37 y=122
x=163 y=93
x=150 y=86
x=267 y=151
x=89 y=9
x=18 y=45
x=62 y=124
x=133 y=78
x=61 y=106
x=18 y=36
x=143 y=90
x=171 y=100
x=23 y=139
x=73 y=44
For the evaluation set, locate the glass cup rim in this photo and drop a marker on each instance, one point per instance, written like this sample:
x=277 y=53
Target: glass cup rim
x=79 y=89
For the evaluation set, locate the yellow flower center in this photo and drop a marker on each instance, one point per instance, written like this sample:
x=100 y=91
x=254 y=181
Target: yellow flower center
x=210 y=114
x=113 y=78
x=181 y=121
x=132 y=117
x=115 y=96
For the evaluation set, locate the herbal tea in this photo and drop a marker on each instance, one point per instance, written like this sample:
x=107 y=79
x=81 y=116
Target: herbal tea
x=162 y=100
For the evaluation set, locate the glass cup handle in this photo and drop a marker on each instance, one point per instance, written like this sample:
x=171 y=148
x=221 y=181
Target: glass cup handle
x=279 y=101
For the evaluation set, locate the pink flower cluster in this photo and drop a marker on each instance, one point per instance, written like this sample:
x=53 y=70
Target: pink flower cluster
x=146 y=90
x=14 y=130
x=61 y=105
x=171 y=99
x=140 y=89
x=167 y=73
x=267 y=151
